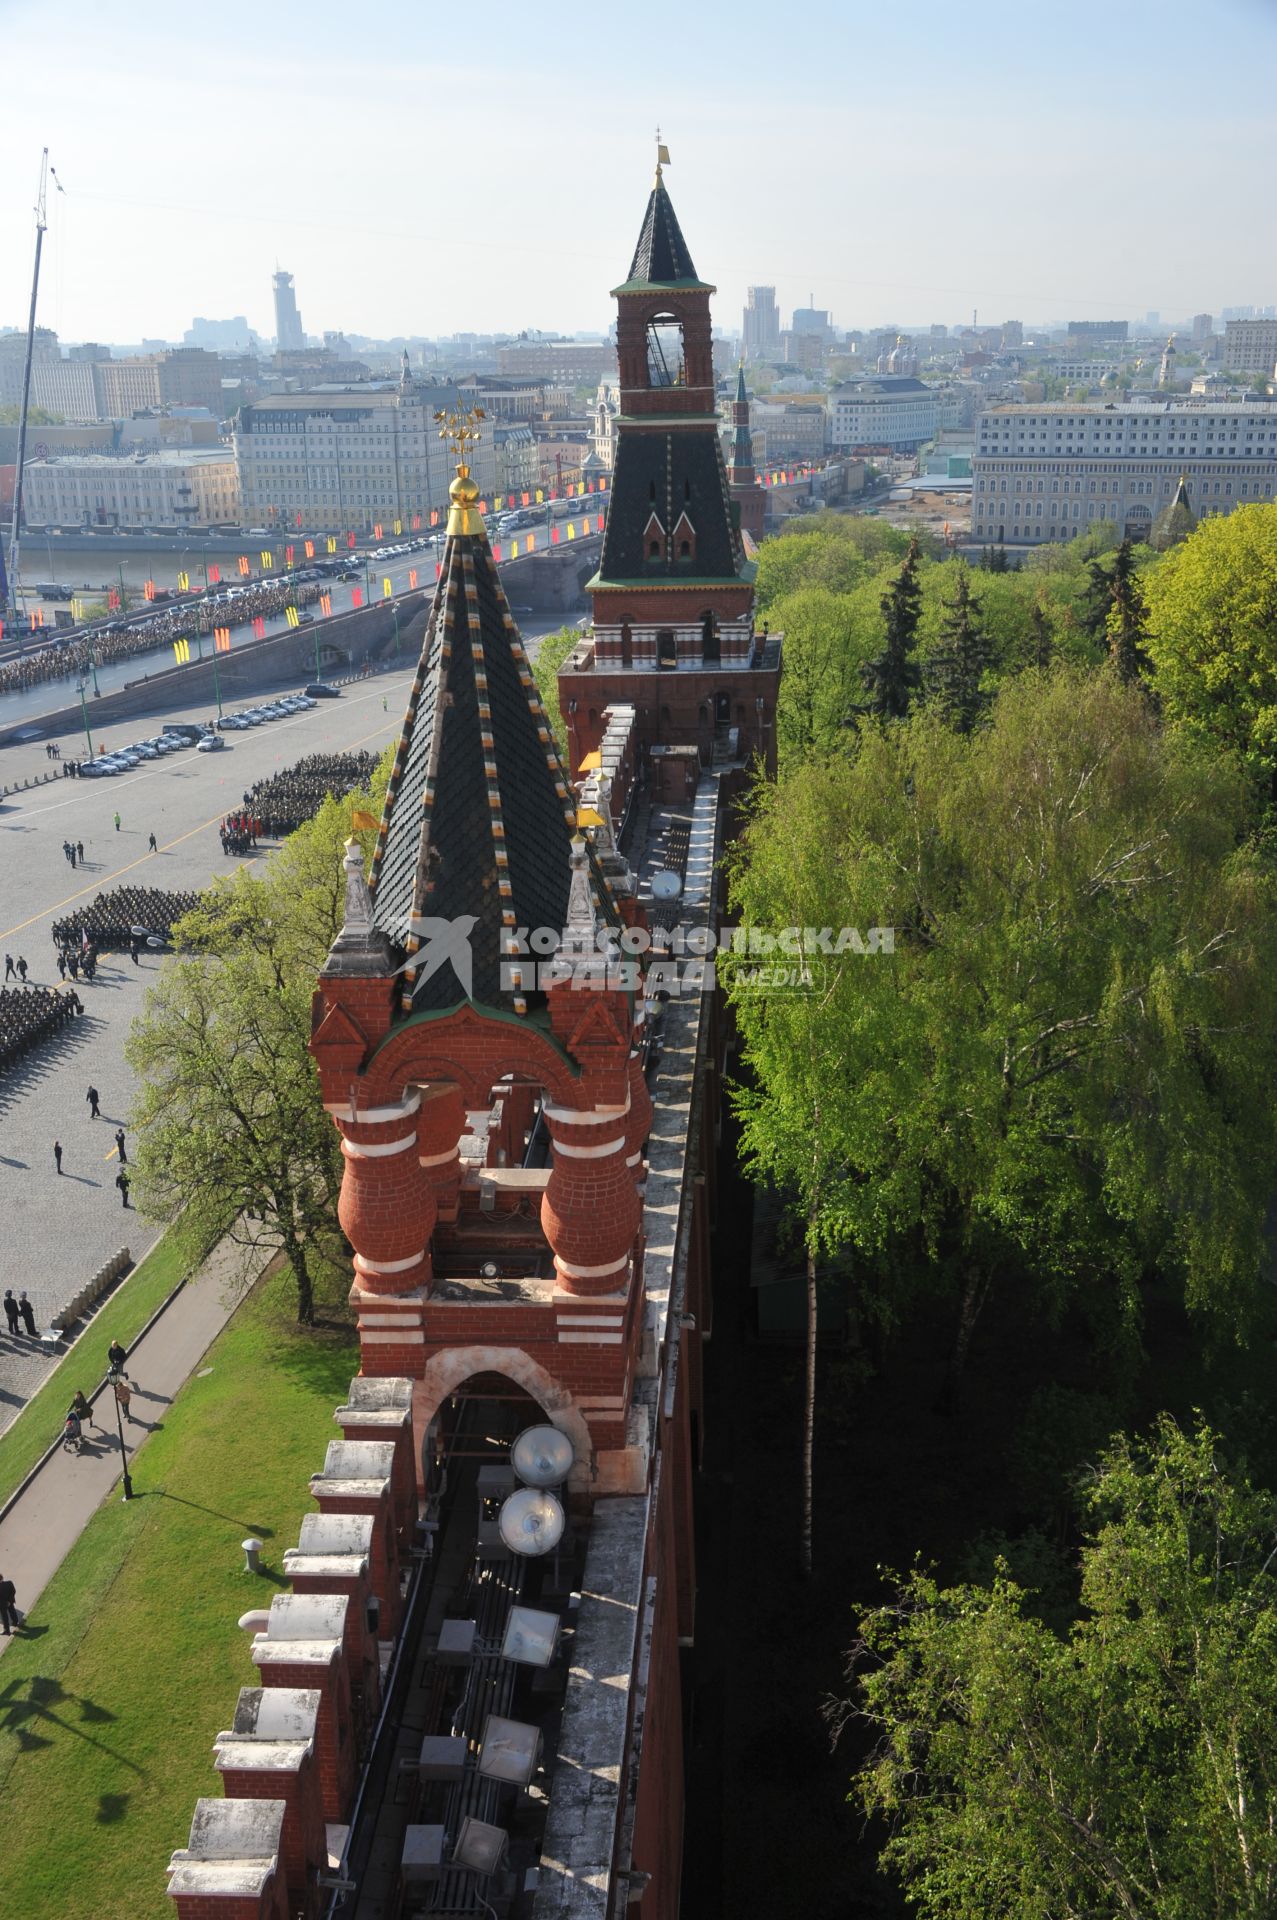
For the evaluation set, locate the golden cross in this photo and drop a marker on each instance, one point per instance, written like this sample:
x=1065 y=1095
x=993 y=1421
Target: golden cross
x=461 y=429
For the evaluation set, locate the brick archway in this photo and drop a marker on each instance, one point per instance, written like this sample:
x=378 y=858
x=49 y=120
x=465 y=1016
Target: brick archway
x=446 y=1371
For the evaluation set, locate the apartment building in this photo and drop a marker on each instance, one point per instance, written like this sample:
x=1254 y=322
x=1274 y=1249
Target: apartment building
x=346 y=459
x=1044 y=472
x=1250 y=346
x=174 y=487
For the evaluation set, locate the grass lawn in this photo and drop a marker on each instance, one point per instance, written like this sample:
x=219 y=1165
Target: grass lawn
x=132 y=1661
x=122 y=1318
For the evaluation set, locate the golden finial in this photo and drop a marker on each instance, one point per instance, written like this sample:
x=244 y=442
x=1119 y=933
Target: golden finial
x=462 y=429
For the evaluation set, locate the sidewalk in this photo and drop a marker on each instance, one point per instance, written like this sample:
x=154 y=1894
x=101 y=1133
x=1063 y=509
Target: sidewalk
x=51 y=1513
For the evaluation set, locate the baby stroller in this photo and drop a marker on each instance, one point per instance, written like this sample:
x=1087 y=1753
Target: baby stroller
x=71 y=1433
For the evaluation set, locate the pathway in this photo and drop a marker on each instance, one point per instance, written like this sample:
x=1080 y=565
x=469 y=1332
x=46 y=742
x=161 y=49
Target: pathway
x=48 y=1516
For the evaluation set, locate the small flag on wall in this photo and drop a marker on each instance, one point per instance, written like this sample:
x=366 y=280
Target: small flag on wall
x=350 y=540
x=183 y=582
x=268 y=559
x=386 y=588
x=412 y=577
x=398 y=526
x=288 y=556
x=149 y=589
x=292 y=616
x=221 y=639
x=332 y=543
x=309 y=549
x=376 y=532
x=325 y=603
x=214 y=576
x=244 y=567
x=181 y=651
x=356 y=596
x=259 y=628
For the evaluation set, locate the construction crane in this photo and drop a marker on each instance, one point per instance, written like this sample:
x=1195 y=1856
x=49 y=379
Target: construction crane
x=15 y=534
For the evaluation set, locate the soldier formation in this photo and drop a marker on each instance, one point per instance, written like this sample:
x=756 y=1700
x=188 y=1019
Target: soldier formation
x=29 y=1015
x=282 y=803
x=112 y=921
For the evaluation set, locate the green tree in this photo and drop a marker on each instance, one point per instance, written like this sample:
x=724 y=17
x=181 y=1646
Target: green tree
x=1124 y=1769
x=827 y=638
x=232 y=1134
x=1212 y=635
x=551 y=654
x=894 y=676
x=958 y=669
x=11 y=416
x=1060 y=1074
x=1043 y=639
x=1128 y=618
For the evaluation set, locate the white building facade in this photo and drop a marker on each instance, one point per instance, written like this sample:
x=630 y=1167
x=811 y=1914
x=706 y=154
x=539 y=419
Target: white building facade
x=889 y=412
x=172 y=488
x=1250 y=346
x=1044 y=473
x=350 y=459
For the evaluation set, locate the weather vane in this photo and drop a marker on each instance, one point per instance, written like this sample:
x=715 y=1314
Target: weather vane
x=662 y=154
x=461 y=429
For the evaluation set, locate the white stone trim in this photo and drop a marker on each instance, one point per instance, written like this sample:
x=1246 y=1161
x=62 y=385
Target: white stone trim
x=600 y=1152
x=386 y=1320
x=363 y=1265
x=372 y=1116
x=591 y=1339
x=405 y=1337
x=591 y=1273
x=439 y=1159
x=377 y=1149
x=634 y=1159
x=591 y=1320
x=597 y=1117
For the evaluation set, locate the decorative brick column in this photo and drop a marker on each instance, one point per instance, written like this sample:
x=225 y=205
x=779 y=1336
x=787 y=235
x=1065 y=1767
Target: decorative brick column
x=357 y=1482
x=380 y=1410
x=304 y=1647
x=269 y=1754
x=638 y=1121
x=332 y=1556
x=440 y=1124
x=590 y=1208
x=232 y=1869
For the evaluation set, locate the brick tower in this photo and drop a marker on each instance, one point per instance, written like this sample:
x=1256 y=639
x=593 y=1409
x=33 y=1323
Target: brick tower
x=492 y=1112
x=673 y=600
x=747 y=495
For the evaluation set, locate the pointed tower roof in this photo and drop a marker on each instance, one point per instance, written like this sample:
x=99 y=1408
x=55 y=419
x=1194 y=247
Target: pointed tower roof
x=479 y=819
x=661 y=258
x=1177 y=521
x=741 y=466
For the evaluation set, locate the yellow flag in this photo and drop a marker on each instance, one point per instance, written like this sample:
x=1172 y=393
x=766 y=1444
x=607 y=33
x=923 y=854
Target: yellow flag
x=361 y=821
x=293 y=617
x=183 y=582
x=386 y=588
x=540 y=497
x=332 y=543
x=571 y=531
x=398 y=526
x=267 y=559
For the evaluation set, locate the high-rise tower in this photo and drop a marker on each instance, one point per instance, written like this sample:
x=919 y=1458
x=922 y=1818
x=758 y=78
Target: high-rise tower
x=289 y=337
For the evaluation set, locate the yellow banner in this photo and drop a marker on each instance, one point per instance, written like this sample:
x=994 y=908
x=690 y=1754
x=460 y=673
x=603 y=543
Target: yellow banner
x=332 y=543
x=268 y=560
x=386 y=588
x=293 y=617
x=183 y=582
x=181 y=651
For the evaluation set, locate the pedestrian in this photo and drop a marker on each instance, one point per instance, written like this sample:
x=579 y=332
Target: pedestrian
x=71 y=855
x=11 y=1309
x=151 y=843
x=73 y=961
x=62 y=965
x=117 y=823
x=133 y=952
x=80 y=1408
x=28 y=1315
x=384 y=707
x=8 y=1604
x=79 y=847
x=119 y=1143
x=8 y=966
x=57 y=1153
x=92 y=1097
x=115 y=1358
x=122 y=1182
x=22 y=970
x=123 y=1395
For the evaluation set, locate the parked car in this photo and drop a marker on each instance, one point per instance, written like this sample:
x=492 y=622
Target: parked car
x=144 y=750
x=211 y=743
x=320 y=690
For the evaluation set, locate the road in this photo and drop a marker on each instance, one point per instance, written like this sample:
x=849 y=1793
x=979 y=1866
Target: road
x=60 y=1228
x=49 y=696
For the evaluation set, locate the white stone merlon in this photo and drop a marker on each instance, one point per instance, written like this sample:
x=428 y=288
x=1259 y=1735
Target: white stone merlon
x=359 y=1469
x=306 y=1629
x=275 y=1713
x=589 y=1789
x=233 y=1850
x=385 y=1403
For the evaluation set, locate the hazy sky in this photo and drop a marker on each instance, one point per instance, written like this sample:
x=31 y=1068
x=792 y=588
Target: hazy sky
x=470 y=169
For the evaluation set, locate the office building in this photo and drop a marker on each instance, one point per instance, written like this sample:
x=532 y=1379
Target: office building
x=1043 y=473
x=760 y=333
x=175 y=487
x=1250 y=346
x=888 y=411
x=1085 y=335
x=289 y=337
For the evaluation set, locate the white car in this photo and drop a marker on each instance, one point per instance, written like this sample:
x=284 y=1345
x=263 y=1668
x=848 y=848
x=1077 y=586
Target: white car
x=144 y=750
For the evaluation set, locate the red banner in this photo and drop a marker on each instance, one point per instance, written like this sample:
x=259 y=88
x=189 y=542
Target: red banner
x=214 y=576
x=259 y=628
x=244 y=566
x=416 y=523
x=309 y=549
x=376 y=532
x=325 y=603
x=412 y=576
x=356 y=596
x=288 y=556
x=350 y=539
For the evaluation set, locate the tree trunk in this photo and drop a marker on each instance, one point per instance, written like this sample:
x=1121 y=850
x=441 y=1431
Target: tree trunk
x=809 y=1411
x=296 y=1252
x=973 y=1297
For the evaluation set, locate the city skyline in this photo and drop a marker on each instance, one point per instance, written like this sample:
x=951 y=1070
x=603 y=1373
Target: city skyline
x=1035 y=181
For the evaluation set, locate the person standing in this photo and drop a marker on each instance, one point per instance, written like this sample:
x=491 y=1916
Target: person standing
x=8 y=966
x=8 y=1604
x=123 y=1395
x=119 y=1146
x=133 y=951
x=122 y=1182
x=22 y=970
x=92 y=1097
x=11 y=1310
x=152 y=845
x=79 y=847
x=57 y=1154
x=28 y=1315
x=117 y=823
x=62 y=965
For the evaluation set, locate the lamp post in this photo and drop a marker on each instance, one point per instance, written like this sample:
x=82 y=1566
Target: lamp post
x=93 y=663
x=85 y=711
x=119 y=1423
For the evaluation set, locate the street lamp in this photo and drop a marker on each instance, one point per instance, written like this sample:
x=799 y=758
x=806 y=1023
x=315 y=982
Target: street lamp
x=93 y=663
x=85 y=711
x=124 y=1456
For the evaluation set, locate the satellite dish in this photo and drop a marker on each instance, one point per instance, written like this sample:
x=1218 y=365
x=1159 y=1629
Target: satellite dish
x=542 y=1457
x=666 y=885
x=531 y=1521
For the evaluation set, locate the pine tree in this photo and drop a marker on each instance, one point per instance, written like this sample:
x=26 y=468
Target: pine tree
x=958 y=668
x=1093 y=611
x=1043 y=638
x=895 y=677
x=1127 y=618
